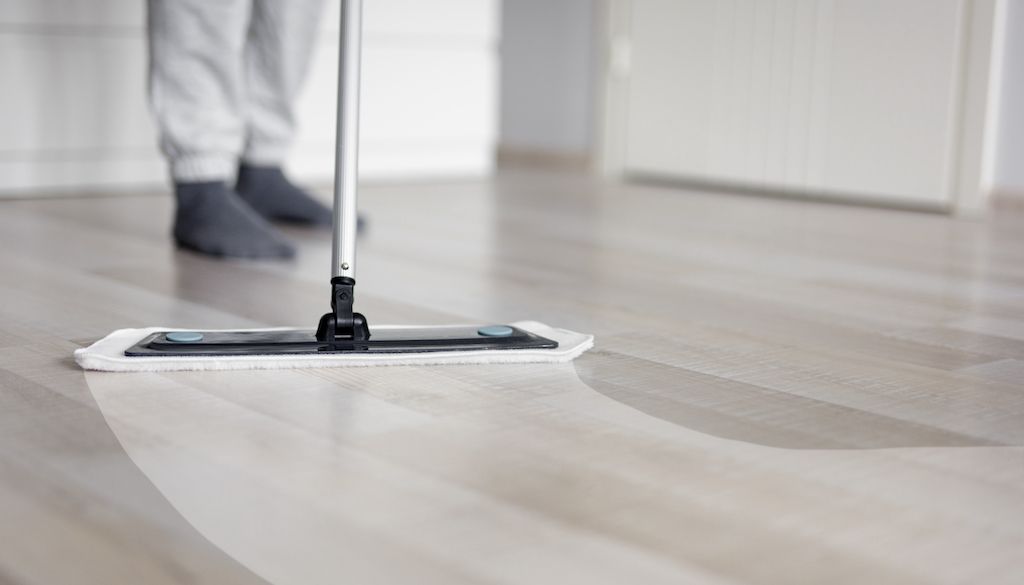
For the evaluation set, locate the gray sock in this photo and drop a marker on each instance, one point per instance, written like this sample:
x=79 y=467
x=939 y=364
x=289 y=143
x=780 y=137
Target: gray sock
x=274 y=197
x=214 y=220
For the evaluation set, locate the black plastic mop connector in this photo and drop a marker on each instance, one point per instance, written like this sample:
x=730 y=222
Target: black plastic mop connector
x=343 y=324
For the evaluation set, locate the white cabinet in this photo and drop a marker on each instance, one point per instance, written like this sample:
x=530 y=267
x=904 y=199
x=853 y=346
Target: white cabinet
x=73 y=112
x=855 y=98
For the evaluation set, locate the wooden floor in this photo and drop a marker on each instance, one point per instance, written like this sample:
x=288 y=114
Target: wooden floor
x=782 y=392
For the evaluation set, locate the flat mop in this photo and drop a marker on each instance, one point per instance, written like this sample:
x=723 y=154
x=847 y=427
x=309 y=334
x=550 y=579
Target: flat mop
x=343 y=337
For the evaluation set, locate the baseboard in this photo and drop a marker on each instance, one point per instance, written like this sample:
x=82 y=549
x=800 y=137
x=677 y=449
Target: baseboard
x=61 y=177
x=310 y=163
x=1008 y=198
x=395 y=161
x=796 y=194
x=515 y=157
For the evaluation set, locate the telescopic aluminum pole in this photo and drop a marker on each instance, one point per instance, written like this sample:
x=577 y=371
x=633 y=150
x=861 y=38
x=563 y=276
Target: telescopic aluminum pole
x=346 y=172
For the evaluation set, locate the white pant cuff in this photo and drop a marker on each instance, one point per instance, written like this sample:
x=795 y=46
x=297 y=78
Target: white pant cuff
x=194 y=169
x=265 y=156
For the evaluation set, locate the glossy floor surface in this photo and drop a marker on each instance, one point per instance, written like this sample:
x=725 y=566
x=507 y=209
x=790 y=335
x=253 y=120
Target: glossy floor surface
x=782 y=392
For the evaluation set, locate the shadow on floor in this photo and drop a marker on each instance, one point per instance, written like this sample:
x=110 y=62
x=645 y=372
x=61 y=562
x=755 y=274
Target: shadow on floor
x=765 y=416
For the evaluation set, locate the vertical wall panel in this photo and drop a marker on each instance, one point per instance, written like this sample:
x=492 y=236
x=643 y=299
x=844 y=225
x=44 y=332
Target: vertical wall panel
x=820 y=93
x=799 y=98
x=892 y=97
x=668 y=115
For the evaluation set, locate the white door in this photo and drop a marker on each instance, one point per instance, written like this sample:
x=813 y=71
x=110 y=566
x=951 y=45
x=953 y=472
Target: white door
x=838 y=97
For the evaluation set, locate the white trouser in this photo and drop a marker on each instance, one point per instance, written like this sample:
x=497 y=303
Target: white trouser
x=223 y=77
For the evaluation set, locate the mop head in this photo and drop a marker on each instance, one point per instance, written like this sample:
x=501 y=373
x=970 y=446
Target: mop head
x=108 y=355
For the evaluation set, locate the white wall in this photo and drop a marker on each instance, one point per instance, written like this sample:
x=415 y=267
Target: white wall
x=547 y=79
x=1009 y=174
x=72 y=106
x=430 y=92
x=73 y=113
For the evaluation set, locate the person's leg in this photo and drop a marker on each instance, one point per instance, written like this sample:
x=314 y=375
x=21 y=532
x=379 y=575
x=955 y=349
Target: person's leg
x=196 y=93
x=282 y=38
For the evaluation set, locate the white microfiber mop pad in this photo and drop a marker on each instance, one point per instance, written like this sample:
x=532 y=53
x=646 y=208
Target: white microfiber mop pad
x=107 y=355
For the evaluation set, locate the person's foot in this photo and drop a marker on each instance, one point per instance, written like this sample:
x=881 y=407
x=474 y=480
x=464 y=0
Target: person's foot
x=273 y=196
x=214 y=220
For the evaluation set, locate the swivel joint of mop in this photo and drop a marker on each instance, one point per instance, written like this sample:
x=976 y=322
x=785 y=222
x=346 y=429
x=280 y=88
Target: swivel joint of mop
x=343 y=324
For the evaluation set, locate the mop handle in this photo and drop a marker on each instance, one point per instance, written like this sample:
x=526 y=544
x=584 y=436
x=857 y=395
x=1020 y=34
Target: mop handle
x=346 y=169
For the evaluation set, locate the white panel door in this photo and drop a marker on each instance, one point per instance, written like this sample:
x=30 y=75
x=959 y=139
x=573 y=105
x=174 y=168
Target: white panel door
x=849 y=97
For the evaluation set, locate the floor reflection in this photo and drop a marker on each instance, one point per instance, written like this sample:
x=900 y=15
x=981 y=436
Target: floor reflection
x=71 y=475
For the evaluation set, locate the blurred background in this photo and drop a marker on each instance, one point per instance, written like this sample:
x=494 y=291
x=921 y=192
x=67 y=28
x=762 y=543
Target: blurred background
x=915 y=103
